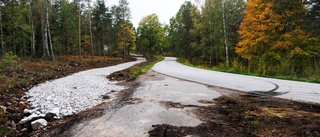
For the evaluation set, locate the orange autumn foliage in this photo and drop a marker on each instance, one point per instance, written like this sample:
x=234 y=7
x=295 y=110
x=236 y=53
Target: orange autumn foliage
x=257 y=30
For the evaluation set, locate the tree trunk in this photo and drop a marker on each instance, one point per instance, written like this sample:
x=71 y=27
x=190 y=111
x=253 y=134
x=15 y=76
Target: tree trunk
x=49 y=35
x=89 y=18
x=103 y=36
x=225 y=34
x=13 y=29
x=33 y=48
x=1 y=33
x=44 y=27
x=79 y=29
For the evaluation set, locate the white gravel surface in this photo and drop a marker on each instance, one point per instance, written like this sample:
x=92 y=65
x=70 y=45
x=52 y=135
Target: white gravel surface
x=74 y=93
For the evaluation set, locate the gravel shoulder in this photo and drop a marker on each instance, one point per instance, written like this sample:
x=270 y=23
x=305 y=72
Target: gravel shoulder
x=72 y=94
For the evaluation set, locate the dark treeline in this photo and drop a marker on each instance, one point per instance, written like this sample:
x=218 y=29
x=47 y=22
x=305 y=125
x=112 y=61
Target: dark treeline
x=45 y=28
x=269 y=37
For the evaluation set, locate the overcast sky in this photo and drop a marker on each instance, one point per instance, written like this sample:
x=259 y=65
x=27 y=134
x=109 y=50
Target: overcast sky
x=165 y=9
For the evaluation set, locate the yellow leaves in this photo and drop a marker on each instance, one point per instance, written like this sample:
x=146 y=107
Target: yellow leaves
x=299 y=53
x=281 y=45
x=126 y=37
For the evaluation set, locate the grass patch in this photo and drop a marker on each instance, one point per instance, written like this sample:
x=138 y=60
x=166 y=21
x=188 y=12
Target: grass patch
x=139 y=71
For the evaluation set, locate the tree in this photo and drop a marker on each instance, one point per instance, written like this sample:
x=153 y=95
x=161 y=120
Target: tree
x=312 y=20
x=184 y=24
x=90 y=27
x=271 y=36
x=126 y=40
x=79 y=30
x=150 y=35
x=102 y=26
x=1 y=30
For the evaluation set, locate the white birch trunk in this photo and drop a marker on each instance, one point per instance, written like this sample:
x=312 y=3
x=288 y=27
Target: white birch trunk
x=225 y=33
x=49 y=36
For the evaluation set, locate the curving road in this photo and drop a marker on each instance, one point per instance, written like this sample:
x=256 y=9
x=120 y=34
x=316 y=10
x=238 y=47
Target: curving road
x=299 y=91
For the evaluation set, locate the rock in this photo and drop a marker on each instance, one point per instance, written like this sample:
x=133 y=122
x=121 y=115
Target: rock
x=8 y=103
x=38 y=123
x=52 y=113
x=24 y=130
x=3 y=108
x=37 y=112
x=28 y=111
x=31 y=117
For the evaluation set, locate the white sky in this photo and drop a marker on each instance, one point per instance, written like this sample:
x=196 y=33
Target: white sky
x=165 y=9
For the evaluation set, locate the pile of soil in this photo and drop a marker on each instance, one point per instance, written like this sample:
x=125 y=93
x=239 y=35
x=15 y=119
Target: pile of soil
x=238 y=115
x=31 y=73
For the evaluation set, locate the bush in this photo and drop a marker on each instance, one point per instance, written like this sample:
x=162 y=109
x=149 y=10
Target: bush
x=9 y=62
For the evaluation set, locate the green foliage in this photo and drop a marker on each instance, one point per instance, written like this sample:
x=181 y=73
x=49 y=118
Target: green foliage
x=9 y=62
x=150 y=36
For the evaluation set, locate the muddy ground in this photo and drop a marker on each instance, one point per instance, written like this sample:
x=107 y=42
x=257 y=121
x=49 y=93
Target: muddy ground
x=233 y=114
x=15 y=82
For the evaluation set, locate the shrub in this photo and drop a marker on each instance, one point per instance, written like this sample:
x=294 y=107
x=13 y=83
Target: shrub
x=9 y=62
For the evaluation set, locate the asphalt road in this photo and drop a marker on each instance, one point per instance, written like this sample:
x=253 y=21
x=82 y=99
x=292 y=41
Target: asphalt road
x=149 y=105
x=298 y=91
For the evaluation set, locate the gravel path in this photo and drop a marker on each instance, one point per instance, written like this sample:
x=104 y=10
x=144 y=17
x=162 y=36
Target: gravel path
x=74 y=93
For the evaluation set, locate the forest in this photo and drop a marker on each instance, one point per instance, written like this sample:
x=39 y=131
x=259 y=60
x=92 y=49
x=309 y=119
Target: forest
x=266 y=37
x=277 y=38
x=44 y=29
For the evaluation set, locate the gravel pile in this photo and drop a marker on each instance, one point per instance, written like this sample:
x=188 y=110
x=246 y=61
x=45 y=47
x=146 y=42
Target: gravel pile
x=72 y=94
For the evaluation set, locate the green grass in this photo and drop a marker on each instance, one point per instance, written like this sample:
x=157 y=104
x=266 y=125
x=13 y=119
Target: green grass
x=249 y=74
x=143 y=70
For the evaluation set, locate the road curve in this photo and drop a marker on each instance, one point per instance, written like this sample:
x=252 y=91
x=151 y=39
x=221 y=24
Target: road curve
x=299 y=91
